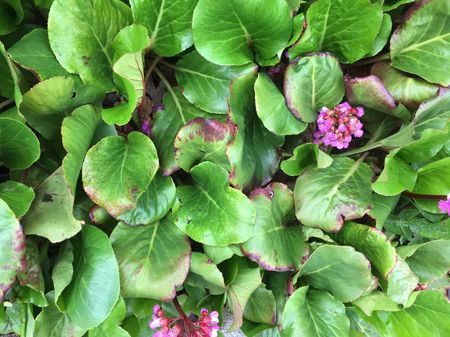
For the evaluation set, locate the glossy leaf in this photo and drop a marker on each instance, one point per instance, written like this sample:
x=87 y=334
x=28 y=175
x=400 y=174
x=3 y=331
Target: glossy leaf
x=323 y=197
x=235 y=32
x=276 y=244
x=383 y=35
x=230 y=216
x=136 y=164
x=311 y=83
x=18 y=196
x=153 y=259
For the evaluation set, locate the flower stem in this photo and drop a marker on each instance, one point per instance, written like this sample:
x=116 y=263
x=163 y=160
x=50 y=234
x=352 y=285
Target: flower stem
x=180 y=309
x=424 y=196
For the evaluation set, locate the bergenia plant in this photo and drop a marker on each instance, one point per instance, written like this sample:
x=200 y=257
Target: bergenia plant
x=211 y=168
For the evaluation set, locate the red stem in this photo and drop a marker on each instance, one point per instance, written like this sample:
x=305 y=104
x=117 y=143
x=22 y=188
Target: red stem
x=424 y=196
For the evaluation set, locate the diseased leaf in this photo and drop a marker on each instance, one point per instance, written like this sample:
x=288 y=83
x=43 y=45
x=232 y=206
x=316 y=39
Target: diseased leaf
x=229 y=215
x=153 y=259
x=18 y=196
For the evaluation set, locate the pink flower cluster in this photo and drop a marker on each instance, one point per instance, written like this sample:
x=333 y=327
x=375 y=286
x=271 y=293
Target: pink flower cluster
x=336 y=127
x=444 y=205
x=206 y=326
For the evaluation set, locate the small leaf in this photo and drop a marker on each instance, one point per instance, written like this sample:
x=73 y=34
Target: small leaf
x=18 y=196
x=272 y=110
x=212 y=213
x=261 y=307
x=383 y=35
x=153 y=259
x=323 y=197
x=235 y=32
x=304 y=156
x=311 y=83
x=375 y=301
x=314 y=313
x=401 y=282
x=203 y=139
x=341 y=270
x=62 y=272
x=130 y=162
x=203 y=272
x=433 y=114
x=206 y=84
x=11 y=15
x=276 y=244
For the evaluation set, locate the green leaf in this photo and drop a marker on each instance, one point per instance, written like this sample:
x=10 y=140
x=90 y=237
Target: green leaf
x=323 y=197
x=421 y=45
x=253 y=154
x=62 y=272
x=94 y=289
x=341 y=270
x=210 y=211
x=18 y=196
x=346 y=28
x=425 y=148
x=166 y=123
x=313 y=82
x=305 y=155
x=11 y=15
x=153 y=259
x=110 y=327
x=396 y=177
x=12 y=254
x=203 y=139
x=401 y=282
x=405 y=89
x=375 y=301
x=370 y=92
x=382 y=208
x=33 y=52
x=131 y=163
x=77 y=133
x=261 y=307
x=275 y=244
x=204 y=273
x=427 y=317
x=389 y=5
x=19 y=147
x=235 y=32
x=153 y=204
x=433 y=114
x=429 y=260
x=220 y=254
x=50 y=215
x=383 y=35
x=81 y=34
x=168 y=22
x=372 y=242
x=129 y=45
x=52 y=323
x=206 y=84
x=272 y=109
x=48 y=102
x=314 y=313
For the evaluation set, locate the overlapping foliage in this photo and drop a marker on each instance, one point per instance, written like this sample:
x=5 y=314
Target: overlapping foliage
x=183 y=153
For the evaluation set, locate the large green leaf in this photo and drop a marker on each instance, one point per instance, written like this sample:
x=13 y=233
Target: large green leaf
x=168 y=22
x=94 y=289
x=427 y=317
x=128 y=45
x=130 y=162
x=303 y=156
x=433 y=114
x=153 y=259
x=324 y=197
x=272 y=109
x=203 y=139
x=77 y=132
x=206 y=84
x=314 y=313
x=12 y=254
x=346 y=28
x=275 y=243
x=33 y=53
x=50 y=214
x=81 y=34
x=166 y=123
x=341 y=270
x=210 y=211
x=372 y=242
x=234 y=32
x=313 y=82
x=405 y=89
x=19 y=146
x=429 y=260
x=18 y=196
x=204 y=273
x=153 y=204
x=422 y=44
x=49 y=101
x=253 y=154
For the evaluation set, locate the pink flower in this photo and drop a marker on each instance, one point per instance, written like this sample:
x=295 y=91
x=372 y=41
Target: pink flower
x=444 y=205
x=337 y=127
